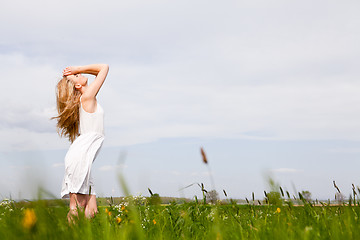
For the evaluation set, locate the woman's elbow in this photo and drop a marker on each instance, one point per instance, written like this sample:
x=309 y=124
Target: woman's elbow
x=104 y=66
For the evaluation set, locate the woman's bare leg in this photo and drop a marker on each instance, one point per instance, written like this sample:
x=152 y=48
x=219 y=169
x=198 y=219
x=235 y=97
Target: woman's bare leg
x=77 y=201
x=91 y=206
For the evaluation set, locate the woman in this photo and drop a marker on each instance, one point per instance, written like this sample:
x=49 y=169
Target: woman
x=81 y=119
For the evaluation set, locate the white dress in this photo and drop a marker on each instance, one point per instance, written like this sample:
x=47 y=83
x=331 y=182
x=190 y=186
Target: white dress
x=82 y=153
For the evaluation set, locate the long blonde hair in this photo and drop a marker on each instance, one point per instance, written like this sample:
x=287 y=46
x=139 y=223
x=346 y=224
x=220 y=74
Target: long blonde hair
x=67 y=104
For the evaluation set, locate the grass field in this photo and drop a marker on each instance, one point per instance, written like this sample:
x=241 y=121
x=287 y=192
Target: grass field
x=278 y=216
x=140 y=218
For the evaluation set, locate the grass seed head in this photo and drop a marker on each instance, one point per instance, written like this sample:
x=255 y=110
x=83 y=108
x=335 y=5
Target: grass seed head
x=353 y=189
x=336 y=187
x=288 y=194
x=225 y=193
x=203 y=156
x=300 y=196
x=282 y=192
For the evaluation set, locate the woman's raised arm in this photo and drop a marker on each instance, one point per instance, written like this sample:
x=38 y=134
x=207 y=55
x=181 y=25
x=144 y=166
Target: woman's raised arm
x=99 y=70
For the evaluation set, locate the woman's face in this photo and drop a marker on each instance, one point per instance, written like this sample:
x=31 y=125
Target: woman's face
x=78 y=79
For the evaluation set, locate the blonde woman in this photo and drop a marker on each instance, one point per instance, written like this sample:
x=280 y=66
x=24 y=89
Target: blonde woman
x=81 y=119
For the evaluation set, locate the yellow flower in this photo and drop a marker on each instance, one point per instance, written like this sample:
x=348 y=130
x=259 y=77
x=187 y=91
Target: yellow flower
x=278 y=210
x=118 y=220
x=29 y=218
x=122 y=208
x=109 y=213
x=106 y=210
x=154 y=221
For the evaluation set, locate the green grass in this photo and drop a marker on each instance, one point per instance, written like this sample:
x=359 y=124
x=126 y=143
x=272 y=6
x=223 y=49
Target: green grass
x=136 y=219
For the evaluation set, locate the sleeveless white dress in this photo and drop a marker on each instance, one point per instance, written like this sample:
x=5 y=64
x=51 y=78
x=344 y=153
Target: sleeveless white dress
x=82 y=153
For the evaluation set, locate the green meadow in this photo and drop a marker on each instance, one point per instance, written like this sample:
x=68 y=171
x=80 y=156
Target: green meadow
x=278 y=215
x=148 y=218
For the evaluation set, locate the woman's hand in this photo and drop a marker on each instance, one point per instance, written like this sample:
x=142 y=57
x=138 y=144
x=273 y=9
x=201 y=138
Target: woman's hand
x=69 y=71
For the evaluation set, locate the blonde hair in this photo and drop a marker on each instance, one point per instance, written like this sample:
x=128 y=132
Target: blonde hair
x=67 y=104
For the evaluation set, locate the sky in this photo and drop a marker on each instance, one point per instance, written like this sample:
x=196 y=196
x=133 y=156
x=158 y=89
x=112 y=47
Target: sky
x=269 y=89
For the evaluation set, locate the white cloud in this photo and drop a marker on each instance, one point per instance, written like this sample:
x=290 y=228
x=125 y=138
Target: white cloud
x=37 y=120
x=55 y=165
x=28 y=103
x=19 y=139
x=212 y=70
x=112 y=167
x=281 y=111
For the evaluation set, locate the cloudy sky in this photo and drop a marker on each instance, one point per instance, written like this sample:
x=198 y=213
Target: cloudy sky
x=268 y=88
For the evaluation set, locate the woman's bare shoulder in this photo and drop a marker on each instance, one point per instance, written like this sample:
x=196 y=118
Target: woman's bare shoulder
x=88 y=103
